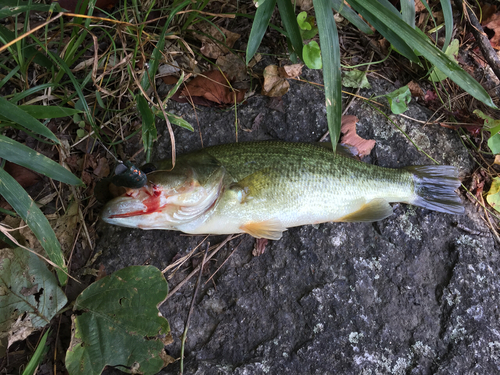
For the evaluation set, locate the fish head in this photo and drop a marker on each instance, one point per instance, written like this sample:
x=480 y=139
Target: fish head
x=167 y=200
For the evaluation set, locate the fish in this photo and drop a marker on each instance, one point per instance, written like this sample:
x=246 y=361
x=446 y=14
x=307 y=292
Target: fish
x=263 y=188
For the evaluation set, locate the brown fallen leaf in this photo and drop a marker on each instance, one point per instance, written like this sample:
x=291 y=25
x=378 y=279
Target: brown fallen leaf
x=213 y=88
x=102 y=168
x=290 y=71
x=22 y=175
x=233 y=66
x=415 y=89
x=361 y=147
x=259 y=247
x=274 y=84
x=493 y=23
x=212 y=49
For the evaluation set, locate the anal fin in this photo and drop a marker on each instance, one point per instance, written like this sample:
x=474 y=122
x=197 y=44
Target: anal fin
x=271 y=229
x=374 y=210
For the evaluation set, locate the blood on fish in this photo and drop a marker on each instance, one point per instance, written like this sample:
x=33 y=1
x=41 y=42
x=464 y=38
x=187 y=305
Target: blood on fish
x=152 y=205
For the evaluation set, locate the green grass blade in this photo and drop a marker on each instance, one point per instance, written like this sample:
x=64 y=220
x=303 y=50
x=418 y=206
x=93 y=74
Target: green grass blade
x=149 y=133
x=421 y=43
x=259 y=27
x=157 y=54
x=392 y=36
x=22 y=203
x=351 y=16
x=289 y=20
x=18 y=116
x=37 y=355
x=45 y=111
x=448 y=22
x=408 y=11
x=25 y=93
x=17 y=153
x=9 y=76
x=23 y=6
x=330 y=53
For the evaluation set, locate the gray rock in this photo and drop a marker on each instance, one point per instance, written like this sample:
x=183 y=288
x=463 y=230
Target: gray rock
x=416 y=293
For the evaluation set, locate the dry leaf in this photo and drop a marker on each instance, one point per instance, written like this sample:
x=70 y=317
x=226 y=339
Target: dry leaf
x=415 y=89
x=259 y=247
x=210 y=48
x=362 y=146
x=22 y=175
x=102 y=168
x=212 y=88
x=291 y=71
x=497 y=160
x=274 y=84
x=233 y=66
x=494 y=24
x=419 y=6
x=305 y=4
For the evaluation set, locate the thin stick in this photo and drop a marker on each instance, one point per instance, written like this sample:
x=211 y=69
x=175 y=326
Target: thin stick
x=230 y=237
x=230 y=255
x=191 y=307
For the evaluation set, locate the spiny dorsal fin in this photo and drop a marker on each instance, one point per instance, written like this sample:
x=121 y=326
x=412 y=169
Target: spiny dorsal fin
x=271 y=229
x=376 y=209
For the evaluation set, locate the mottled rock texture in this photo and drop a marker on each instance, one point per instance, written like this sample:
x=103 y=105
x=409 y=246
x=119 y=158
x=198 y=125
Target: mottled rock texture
x=416 y=293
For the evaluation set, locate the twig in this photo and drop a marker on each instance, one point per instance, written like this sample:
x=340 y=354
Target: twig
x=228 y=238
x=186 y=324
x=487 y=50
x=217 y=270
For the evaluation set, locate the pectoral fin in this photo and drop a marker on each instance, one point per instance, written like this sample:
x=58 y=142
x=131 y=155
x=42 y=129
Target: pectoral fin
x=374 y=210
x=271 y=229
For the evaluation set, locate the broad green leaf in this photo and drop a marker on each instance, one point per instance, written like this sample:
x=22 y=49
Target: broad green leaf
x=119 y=324
x=22 y=203
x=179 y=121
x=490 y=124
x=422 y=45
x=307 y=25
x=330 y=52
x=349 y=14
x=355 y=78
x=18 y=153
x=30 y=296
x=259 y=27
x=149 y=133
x=493 y=195
x=452 y=50
x=20 y=117
x=287 y=14
x=399 y=99
x=390 y=33
x=494 y=143
x=312 y=55
x=38 y=355
x=24 y=6
x=43 y=111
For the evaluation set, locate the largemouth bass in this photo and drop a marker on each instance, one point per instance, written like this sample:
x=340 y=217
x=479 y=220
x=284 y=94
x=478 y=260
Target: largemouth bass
x=263 y=188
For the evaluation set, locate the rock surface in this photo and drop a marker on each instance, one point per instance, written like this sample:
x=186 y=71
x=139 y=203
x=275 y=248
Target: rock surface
x=416 y=293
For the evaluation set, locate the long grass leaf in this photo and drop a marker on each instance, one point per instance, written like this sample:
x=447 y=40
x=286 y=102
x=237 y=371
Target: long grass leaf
x=25 y=93
x=157 y=54
x=259 y=27
x=408 y=12
x=18 y=153
x=289 y=20
x=37 y=355
x=330 y=54
x=45 y=111
x=420 y=43
x=390 y=33
x=349 y=14
x=149 y=133
x=448 y=22
x=22 y=203
x=17 y=115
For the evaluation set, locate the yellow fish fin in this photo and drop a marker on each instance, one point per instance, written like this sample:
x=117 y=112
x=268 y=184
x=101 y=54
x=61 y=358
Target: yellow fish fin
x=271 y=229
x=376 y=209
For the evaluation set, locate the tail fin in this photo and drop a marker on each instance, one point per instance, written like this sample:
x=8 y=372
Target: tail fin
x=435 y=187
